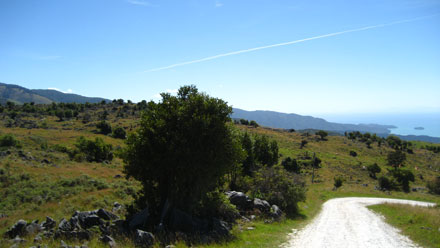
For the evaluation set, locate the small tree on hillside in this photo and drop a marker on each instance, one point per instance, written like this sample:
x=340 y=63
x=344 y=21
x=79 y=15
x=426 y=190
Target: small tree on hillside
x=291 y=165
x=396 y=159
x=119 y=133
x=373 y=169
x=253 y=123
x=403 y=177
x=316 y=162
x=104 y=127
x=182 y=150
x=303 y=144
x=322 y=134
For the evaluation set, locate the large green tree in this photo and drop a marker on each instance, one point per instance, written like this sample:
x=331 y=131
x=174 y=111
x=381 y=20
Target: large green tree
x=182 y=150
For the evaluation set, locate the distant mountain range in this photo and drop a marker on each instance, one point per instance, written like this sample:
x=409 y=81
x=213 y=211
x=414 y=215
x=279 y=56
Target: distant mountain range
x=295 y=121
x=20 y=95
x=301 y=122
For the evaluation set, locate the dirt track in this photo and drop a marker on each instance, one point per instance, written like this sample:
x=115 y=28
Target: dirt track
x=346 y=222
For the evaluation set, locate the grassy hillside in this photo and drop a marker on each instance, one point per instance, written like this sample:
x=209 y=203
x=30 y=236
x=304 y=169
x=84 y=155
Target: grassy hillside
x=19 y=95
x=39 y=179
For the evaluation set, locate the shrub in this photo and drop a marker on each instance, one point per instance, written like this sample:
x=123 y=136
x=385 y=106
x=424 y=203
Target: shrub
x=216 y=204
x=119 y=133
x=9 y=140
x=353 y=153
x=404 y=177
x=337 y=182
x=322 y=134
x=385 y=183
x=253 y=123
x=279 y=187
x=104 y=127
x=373 y=169
x=434 y=186
x=60 y=148
x=93 y=151
x=244 y=122
x=291 y=165
x=396 y=158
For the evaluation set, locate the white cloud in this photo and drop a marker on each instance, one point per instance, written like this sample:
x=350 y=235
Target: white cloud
x=173 y=91
x=170 y=91
x=140 y=2
x=68 y=91
x=218 y=4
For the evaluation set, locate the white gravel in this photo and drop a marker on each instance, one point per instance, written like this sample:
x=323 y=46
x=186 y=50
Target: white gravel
x=346 y=222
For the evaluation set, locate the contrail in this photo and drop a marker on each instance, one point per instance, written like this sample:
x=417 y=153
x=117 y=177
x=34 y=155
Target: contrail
x=286 y=43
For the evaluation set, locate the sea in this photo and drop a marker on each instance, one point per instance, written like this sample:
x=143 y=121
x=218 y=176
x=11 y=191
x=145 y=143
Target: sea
x=406 y=124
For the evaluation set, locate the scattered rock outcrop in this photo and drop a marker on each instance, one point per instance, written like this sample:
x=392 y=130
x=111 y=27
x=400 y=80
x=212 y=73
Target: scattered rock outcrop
x=82 y=225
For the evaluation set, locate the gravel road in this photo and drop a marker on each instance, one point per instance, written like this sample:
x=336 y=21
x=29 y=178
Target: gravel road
x=346 y=222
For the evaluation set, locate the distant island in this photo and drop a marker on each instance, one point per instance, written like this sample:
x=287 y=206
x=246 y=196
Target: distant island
x=419 y=128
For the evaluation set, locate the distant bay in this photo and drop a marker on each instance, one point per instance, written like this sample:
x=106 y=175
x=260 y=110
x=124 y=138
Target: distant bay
x=405 y=123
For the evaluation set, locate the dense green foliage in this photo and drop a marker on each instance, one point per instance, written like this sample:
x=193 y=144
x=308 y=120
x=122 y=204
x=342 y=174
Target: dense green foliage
x=291 y=165
x=322 y=134
x=403 y=177
x=373 y=169
x=8 y=140
x=337 y=182
x=119 y=133
x=385 y=183
x=279 y=187
x=433 y=148
x=182 y=150
x=104 y=127
x=434 y=186
x=92 y=150
x=396 y=159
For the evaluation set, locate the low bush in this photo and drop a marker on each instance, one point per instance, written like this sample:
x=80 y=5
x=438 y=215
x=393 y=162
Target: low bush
x=119 y=133
x=92 y=151
x=403 y=177
x=104 y=127
x=373 y=169
x=337 y=182
x=385 y=183
x=279 y=187
x=291 y=165
x=434 y=186
x=9 y=140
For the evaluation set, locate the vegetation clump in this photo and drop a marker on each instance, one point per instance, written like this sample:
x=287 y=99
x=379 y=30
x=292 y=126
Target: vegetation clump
x=291 y=165
x=119 y=133
x=373 y=169
x=181 y=151
x=104 y=127
x=92 y=150
x=322 y=134
x=338 y=182
x=9 y=140
x=279 y=187
x=434 y=186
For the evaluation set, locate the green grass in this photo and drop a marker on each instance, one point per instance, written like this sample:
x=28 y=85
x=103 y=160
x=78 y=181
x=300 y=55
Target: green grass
x=420 y=224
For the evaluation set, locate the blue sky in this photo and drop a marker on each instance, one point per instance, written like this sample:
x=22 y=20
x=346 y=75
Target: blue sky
x=109 y=48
